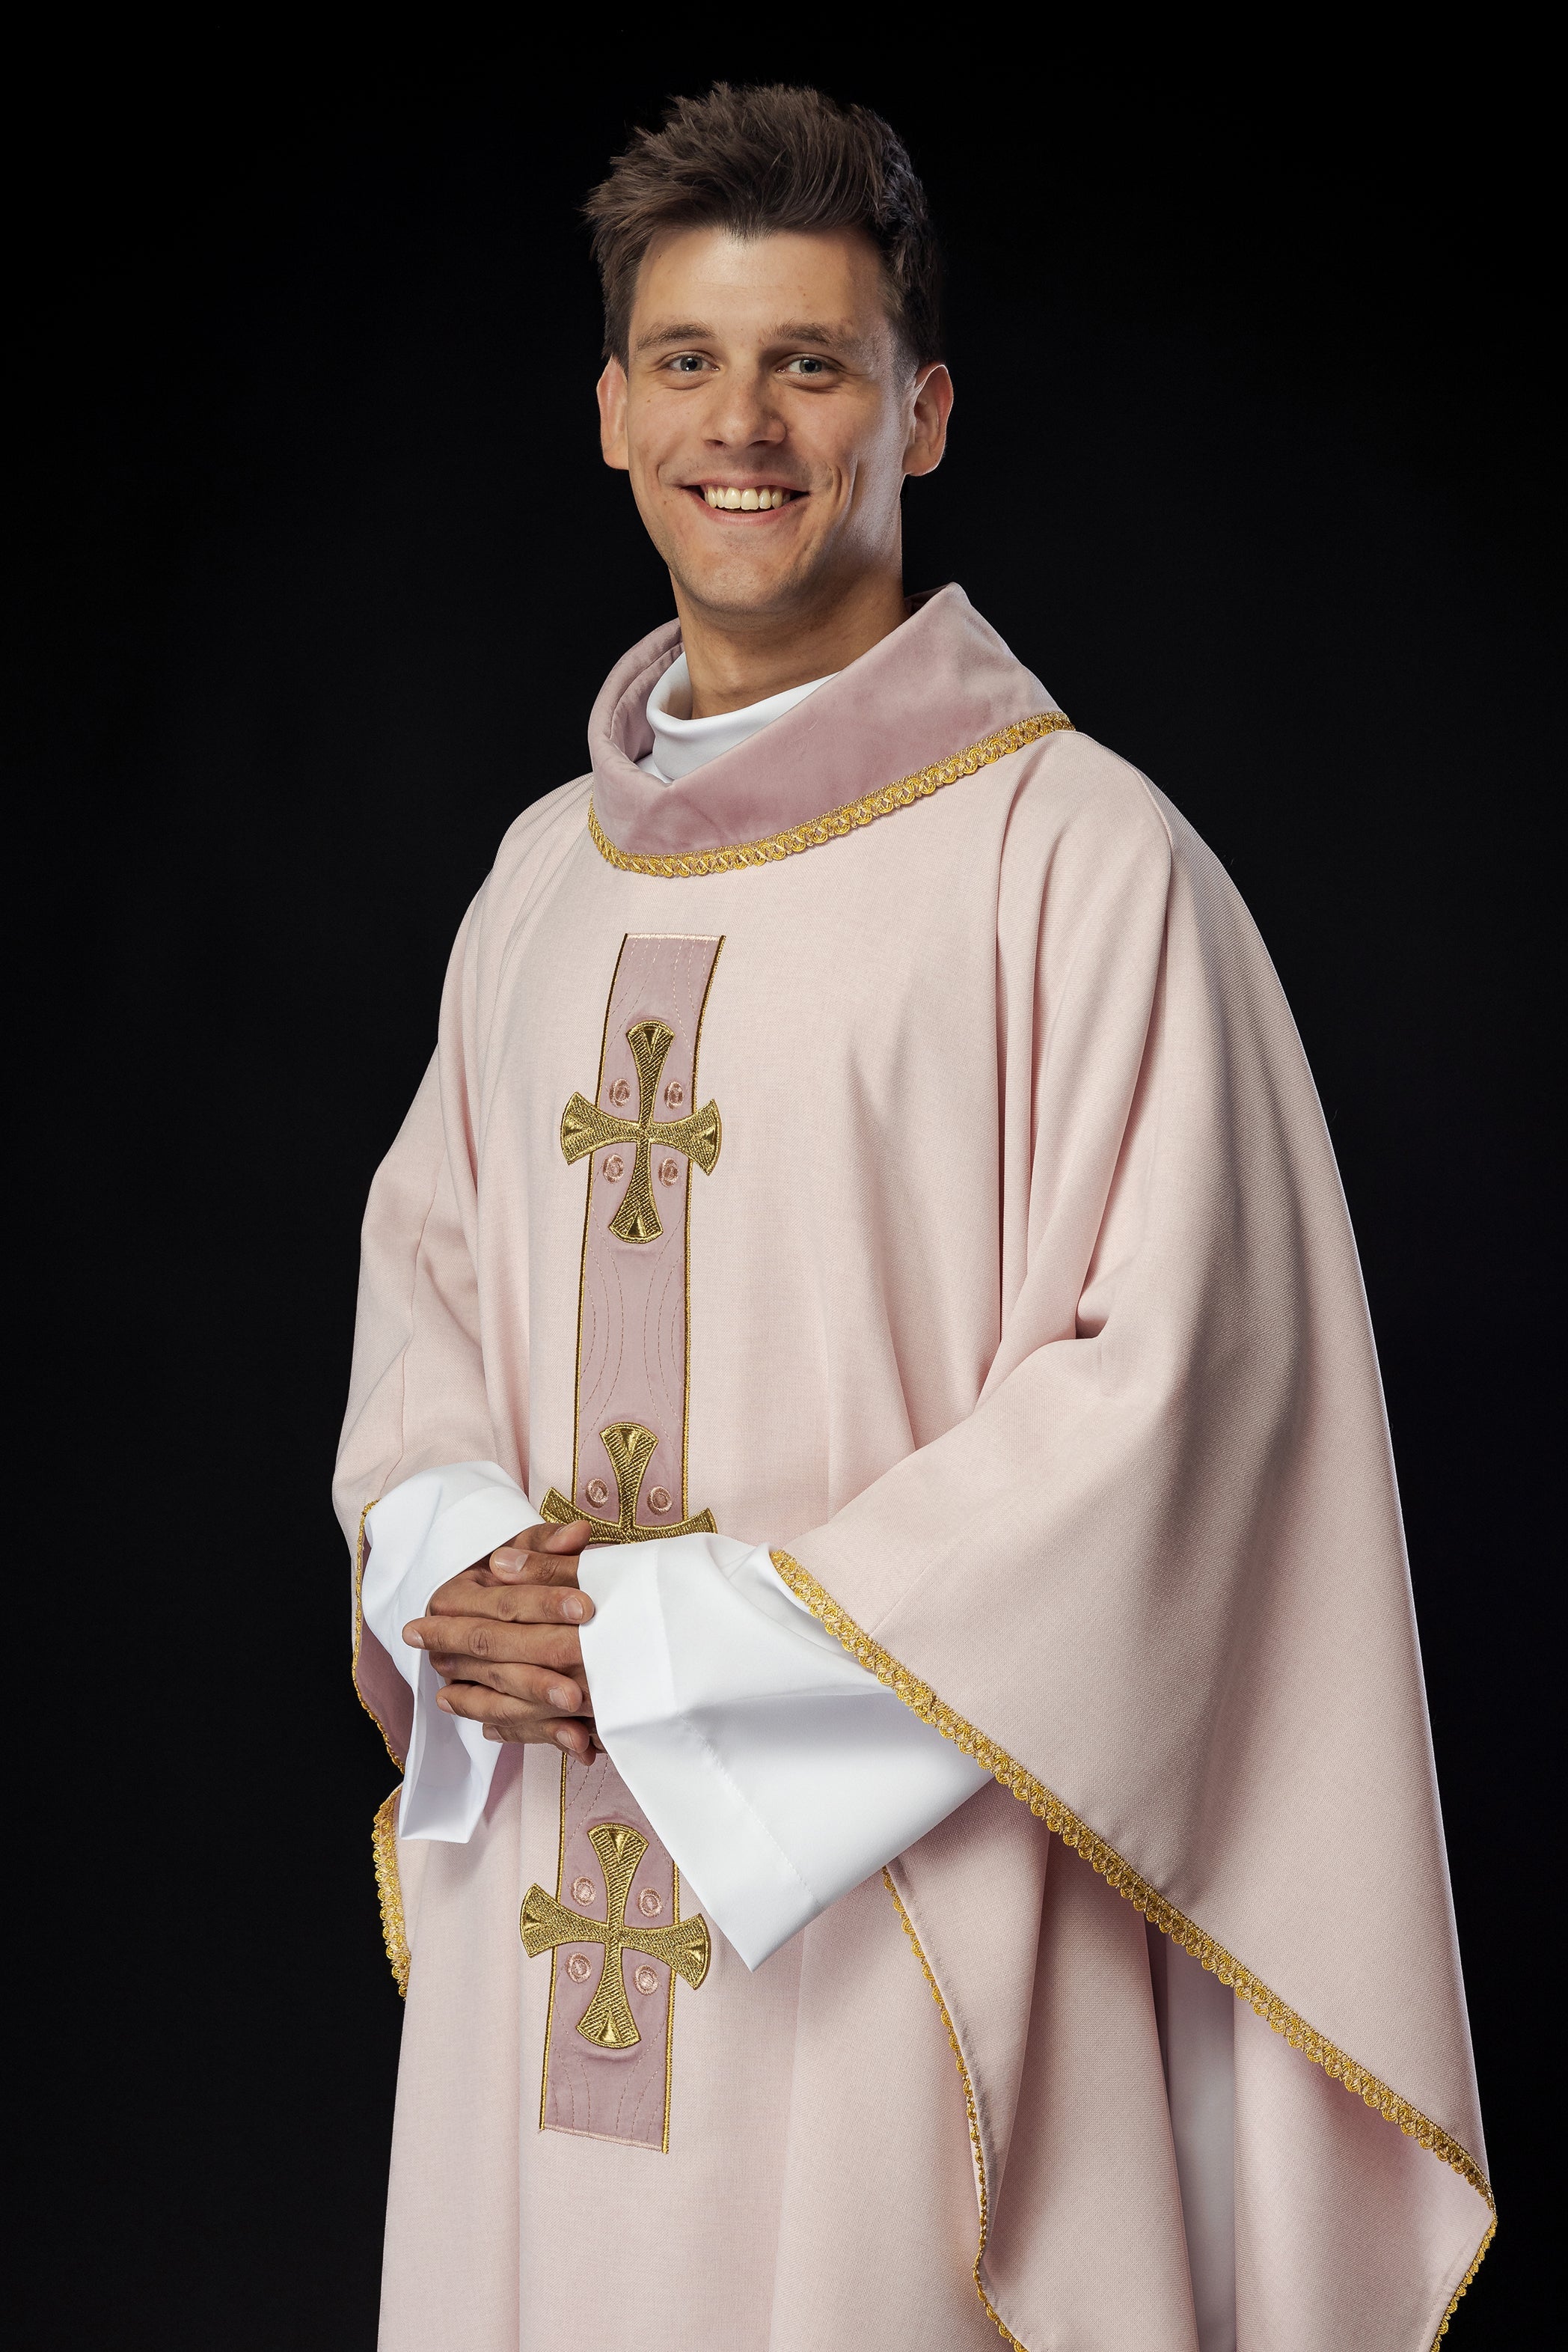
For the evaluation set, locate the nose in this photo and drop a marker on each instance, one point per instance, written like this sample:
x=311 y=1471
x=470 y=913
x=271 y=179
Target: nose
x=744 y=414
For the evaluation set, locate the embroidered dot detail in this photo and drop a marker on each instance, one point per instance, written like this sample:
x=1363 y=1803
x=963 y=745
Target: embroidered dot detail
x=668 y=1170
x=583 y=1890
x=674 y=1094
x=619 y=1092
x=614 y=1167
x=598 y=1493
x=649 y=1903
x=576 y=1968
x=659 y=1500
x=646 y=1981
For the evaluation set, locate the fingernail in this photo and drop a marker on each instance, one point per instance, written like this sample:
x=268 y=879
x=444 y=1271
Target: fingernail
x=564 y=1739
x=491 y=1732
x=414 y=1637
x=506 y=1563
x=444 y=1703
x=572 y=1607
x=559 y=1695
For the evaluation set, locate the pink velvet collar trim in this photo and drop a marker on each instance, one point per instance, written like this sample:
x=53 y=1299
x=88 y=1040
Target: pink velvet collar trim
x=942 y=681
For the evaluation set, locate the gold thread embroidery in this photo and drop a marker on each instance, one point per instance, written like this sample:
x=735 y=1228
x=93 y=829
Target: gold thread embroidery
x=690 y=865
x=389 y=1889
x=582 y=1262
x=1117 y=1872
x=687 y=1276
x=670 y=2016
x=970 y=2109
x=555 y=1957
x=585 y=1126
x=630 y=1446
x=360 y=1634
x=677 y=1923
x=546 y=1922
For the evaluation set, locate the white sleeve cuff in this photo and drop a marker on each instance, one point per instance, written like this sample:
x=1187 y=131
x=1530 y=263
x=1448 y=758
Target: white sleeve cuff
x=433 y=1525
x=777 y=1772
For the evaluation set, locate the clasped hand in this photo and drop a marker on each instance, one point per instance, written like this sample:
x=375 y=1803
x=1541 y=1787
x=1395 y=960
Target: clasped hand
x=503 y=1636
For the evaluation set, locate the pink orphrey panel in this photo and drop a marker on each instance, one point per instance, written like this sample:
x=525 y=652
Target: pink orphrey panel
x=629 y=1477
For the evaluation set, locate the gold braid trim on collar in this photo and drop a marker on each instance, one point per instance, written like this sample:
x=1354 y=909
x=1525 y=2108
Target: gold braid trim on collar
x=688 y=865
x=1117 y=1872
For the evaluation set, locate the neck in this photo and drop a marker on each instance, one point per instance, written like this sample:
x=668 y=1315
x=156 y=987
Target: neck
x=735 y=660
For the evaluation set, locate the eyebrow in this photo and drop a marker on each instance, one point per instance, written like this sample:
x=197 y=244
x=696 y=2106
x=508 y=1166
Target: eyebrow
x=810 y=331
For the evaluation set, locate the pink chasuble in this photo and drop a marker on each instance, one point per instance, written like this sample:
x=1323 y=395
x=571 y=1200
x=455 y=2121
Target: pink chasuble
x=1011 y=1299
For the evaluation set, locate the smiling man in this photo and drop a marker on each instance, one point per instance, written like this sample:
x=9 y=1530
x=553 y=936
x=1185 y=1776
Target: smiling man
x=875 y=1543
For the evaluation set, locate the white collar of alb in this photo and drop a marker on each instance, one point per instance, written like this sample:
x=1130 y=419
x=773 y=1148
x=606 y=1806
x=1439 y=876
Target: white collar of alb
x=682 y=744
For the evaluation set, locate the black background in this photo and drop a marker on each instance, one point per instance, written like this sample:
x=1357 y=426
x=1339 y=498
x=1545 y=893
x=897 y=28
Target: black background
x=316 y=573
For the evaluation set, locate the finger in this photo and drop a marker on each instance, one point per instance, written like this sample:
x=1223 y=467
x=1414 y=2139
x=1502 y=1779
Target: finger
x=538 y=1562
x=575 y=1738
x=482 y=1637
x=569 y=1736
x=552 y=1693
x=534 y=1600
x=529 y=1599
x=512 y=1719
x=536 y=1685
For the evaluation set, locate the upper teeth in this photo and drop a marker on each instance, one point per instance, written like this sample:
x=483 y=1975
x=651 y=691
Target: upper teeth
x=749 y=501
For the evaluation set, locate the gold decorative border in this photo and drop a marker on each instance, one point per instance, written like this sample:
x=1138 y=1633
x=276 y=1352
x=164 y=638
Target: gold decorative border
x=360 y=1632
x=686 y=1336
x=389 y=1888
x=550 y=2013
x=559 y=1876
x=582 y=1271
x=970 y=2110
x=1117 y=1872
x=700 y=938
x=670 y=2009
x=690 y=865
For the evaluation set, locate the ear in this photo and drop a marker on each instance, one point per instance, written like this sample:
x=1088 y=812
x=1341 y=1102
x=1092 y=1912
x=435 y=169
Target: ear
x=613 y=415
x=929 y=412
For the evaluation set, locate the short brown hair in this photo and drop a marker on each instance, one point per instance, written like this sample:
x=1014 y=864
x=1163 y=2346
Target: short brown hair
x=764 y=158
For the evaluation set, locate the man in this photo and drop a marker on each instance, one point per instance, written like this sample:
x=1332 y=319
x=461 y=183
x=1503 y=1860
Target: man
x=862 y=1407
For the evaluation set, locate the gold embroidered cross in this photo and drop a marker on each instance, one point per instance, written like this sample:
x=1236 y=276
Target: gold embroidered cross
x=585 y=1126
x=630 y=1447
x=608 y=2022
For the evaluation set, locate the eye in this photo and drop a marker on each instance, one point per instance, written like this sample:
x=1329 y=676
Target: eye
x=686 y=363
x=807 y=364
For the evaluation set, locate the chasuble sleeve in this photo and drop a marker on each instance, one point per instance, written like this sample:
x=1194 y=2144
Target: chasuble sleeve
x=417 y=1404
x=1155 y=1579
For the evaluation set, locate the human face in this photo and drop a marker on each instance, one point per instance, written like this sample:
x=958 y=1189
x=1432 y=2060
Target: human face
x=767 y=371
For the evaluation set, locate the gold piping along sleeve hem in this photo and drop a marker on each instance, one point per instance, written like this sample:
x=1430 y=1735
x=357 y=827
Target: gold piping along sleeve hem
x=389 y=1889
x=1117 y=1872
x=970 y=2110
x=691 y=865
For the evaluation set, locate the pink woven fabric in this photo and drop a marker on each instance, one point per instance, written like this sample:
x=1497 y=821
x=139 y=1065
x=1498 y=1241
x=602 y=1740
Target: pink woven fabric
x=1025 y=1314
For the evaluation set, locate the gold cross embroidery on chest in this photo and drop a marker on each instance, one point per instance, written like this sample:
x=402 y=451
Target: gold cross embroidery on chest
x=584 y=1128
x=685 y=1948
x=630 y=1446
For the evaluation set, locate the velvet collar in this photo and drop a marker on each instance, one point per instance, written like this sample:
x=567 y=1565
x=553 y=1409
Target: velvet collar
x=942 y=686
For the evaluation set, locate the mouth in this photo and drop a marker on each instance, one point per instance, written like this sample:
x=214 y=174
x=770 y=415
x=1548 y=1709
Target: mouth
x=750 y=498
